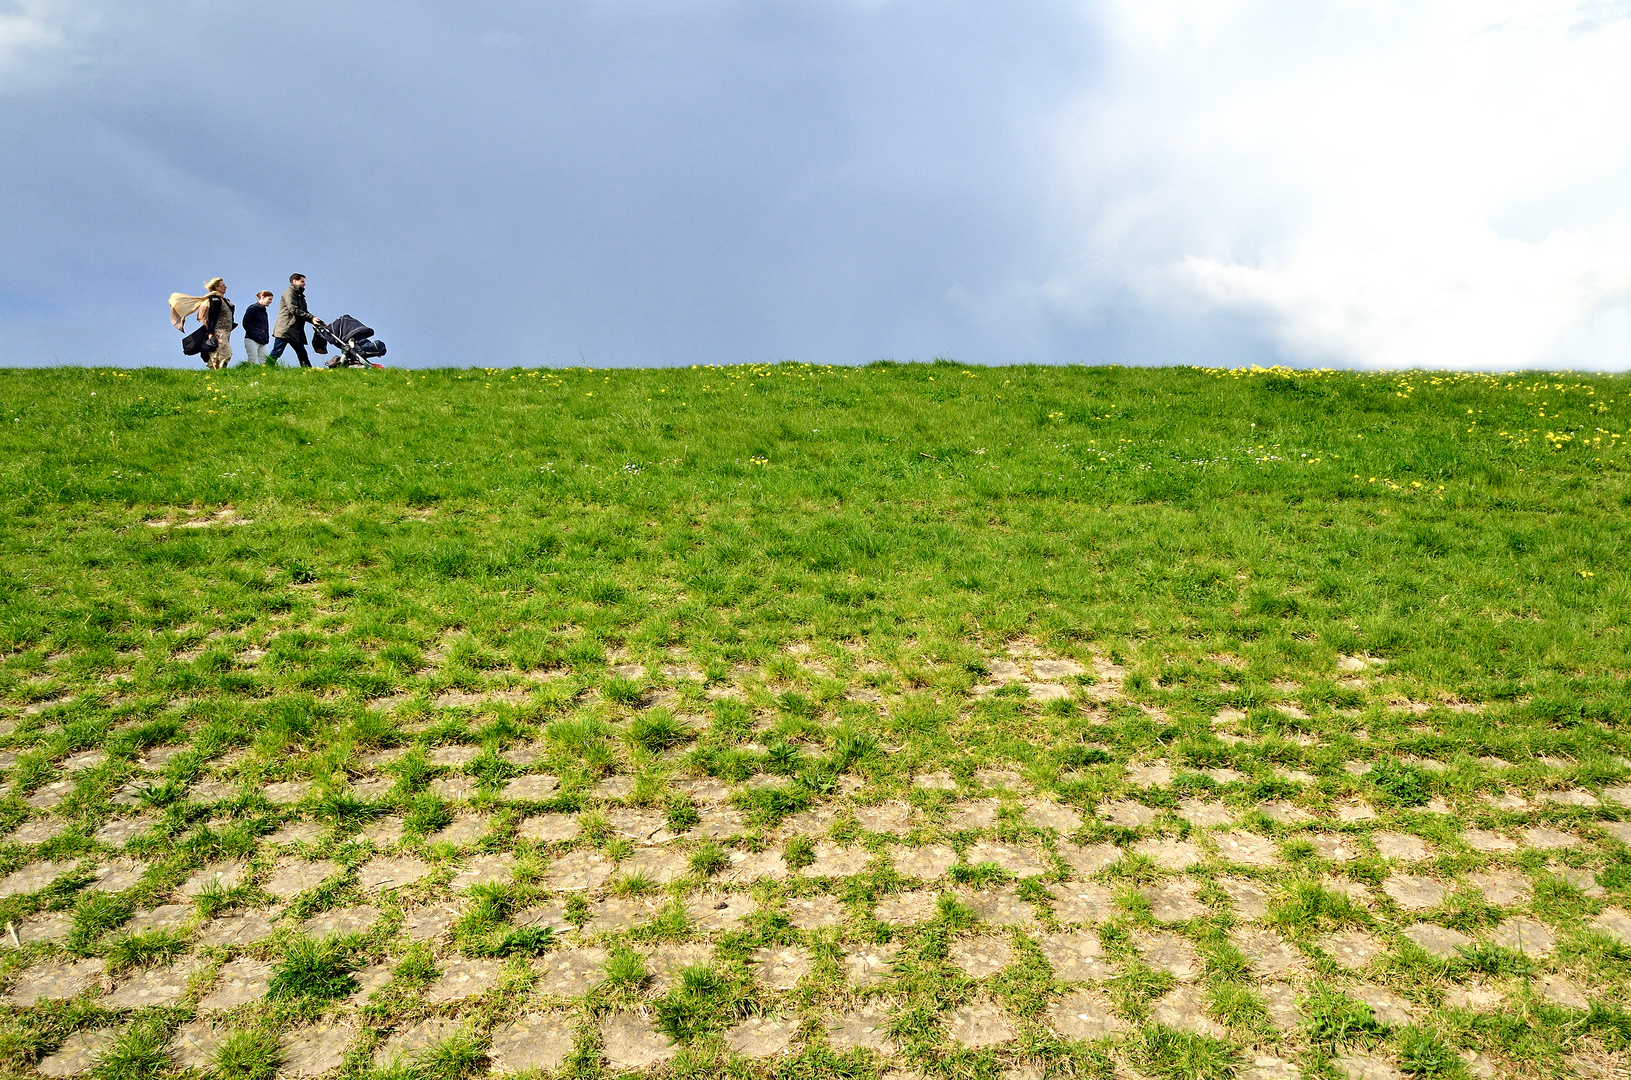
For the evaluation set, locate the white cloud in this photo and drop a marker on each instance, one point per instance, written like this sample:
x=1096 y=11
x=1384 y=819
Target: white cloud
x=1433 y=182
x=37 y=38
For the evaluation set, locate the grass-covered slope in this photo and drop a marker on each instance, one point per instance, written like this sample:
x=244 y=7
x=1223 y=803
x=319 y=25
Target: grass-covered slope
x=1290 y=704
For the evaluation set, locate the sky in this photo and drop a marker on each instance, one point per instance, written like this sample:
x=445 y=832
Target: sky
x=1321 y=183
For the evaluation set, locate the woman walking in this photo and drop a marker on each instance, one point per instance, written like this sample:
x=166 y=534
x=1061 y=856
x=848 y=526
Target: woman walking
x=216 y=314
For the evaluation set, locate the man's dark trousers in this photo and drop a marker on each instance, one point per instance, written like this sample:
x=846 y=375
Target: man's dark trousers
x=299 y=350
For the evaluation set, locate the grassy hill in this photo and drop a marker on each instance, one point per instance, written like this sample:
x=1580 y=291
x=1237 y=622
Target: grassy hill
x=1375 y=622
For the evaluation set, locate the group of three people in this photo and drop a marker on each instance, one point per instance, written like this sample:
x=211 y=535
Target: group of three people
x=217 y=316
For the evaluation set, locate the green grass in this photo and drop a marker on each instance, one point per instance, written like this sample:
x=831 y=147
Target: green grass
x=844 y=555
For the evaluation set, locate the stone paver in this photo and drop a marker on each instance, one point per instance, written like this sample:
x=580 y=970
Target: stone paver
x=223 y=876
x=1023 y=862
x=117 y=876
x=1267 y=953
x=1280 y=1002
x=979 y=1024
x=195 y=1044
x=781 y=967
x=1080 y=902
x=1171 y=953
x=1439 y=941
x=1414 y=893
x=1052 y=815
x=1389 y=1008
x=1524 y=935
x=391 y=872
x=570 y=973
x=462 y=979
x=816 y=912
x=1335 y=847
x=1615 y=923
x=462 y=830
x=531 y=788
x=538 y=1041
x=34 y=877
x=620 y=913
x=411 y=1041
x=293 y=878
x=720 y=912
x=1089 y=859
x=926 y=863
x=36 y=832
x=1205 y=814
x=577 y=871
x=45 y=926
x=1268 y=1067
x=870 y=965
x=890 y=818
x=834 y=861
x=490 y=869
x=630 y=1042
x=1366 y=1067
x=915 y=906
x=313 y=1051
x=1250 y=898
x=428 y=923
x=1502 y=888
x=1247 y=849
x=55 y=981
x=973 y=814
x=1548 y=839
x=864 y=1028
x=1352 y=949
x=1173 y=901
x=761 y=1036
x=79 y=1053
x=756 y=866
x=1127 y=814
x=169 y=917
x=1084 y=1015
x=1401 y=847
x=1561 y=991
x=341 y=922
x=548 y=828
x=1484 y=840
x=154 y=986
x=1285 y=813
x=667 y=962
x=238 y=982
x=1000 y=907
x=120 y=831
x=980 y=956
x=240 y=929
x=1076 y=957
x=1184 y=1008
x=1170 y=854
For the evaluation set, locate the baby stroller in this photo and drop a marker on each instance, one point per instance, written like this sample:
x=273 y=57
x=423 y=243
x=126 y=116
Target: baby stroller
x=352 y=340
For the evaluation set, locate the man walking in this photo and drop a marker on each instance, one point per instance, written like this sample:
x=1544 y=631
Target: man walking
x=257 y=333
x=292 y=317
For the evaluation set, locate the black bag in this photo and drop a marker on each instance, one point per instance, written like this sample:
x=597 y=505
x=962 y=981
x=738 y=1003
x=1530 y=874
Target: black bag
x=197 y=343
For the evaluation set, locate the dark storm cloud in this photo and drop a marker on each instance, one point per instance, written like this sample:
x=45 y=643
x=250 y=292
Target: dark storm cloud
x=522 y=183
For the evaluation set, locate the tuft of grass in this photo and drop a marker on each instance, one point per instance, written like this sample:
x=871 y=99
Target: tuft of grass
x=248 y=1054
x=144 y=950
x=657 y=730
x=1182 y=1055
x=1403 y=784
x=137 y=1054
x=319 y=970
x=621 y=691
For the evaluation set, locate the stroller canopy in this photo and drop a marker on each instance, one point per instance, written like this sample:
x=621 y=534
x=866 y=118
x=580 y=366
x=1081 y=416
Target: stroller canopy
x=350 y=330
